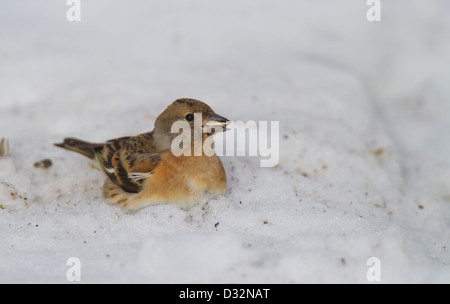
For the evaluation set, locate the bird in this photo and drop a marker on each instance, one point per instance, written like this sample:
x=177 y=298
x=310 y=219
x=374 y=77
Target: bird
x=143 y=170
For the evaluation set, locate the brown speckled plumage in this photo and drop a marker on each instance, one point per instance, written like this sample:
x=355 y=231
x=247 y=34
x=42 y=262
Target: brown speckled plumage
x=141 y=170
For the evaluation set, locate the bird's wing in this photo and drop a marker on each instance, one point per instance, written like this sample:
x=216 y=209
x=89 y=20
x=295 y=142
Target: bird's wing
x=128 y=161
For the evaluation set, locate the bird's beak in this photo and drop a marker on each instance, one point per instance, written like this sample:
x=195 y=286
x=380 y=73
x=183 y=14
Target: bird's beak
x=216 y=123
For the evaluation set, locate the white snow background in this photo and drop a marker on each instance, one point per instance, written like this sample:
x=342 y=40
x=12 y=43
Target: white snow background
x=364 y=166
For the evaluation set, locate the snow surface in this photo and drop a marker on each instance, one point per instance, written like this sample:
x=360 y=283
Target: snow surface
x=364 y=166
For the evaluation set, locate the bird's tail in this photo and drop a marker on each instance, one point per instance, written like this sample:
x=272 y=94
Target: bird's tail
x=84 y=148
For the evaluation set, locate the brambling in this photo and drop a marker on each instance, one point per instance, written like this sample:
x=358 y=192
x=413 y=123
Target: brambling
x=142 y=170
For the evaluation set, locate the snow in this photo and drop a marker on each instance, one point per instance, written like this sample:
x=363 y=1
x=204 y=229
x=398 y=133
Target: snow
x=364 y=167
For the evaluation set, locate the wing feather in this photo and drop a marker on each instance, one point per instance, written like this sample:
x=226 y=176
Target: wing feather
x=128 y=161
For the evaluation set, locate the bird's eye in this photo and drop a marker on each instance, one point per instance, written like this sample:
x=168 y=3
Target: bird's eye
x=189 y=117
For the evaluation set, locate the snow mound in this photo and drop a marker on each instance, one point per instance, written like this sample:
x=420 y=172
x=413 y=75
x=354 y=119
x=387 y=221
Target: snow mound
x=364 y=150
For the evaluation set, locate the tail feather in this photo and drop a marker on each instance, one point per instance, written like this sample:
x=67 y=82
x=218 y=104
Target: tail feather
x=82 y=147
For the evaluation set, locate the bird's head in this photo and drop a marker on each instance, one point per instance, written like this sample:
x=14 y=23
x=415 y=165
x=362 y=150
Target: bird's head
x=188 y=113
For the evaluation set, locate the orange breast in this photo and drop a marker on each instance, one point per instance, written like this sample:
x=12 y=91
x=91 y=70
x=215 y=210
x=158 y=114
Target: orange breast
x=186 y=178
